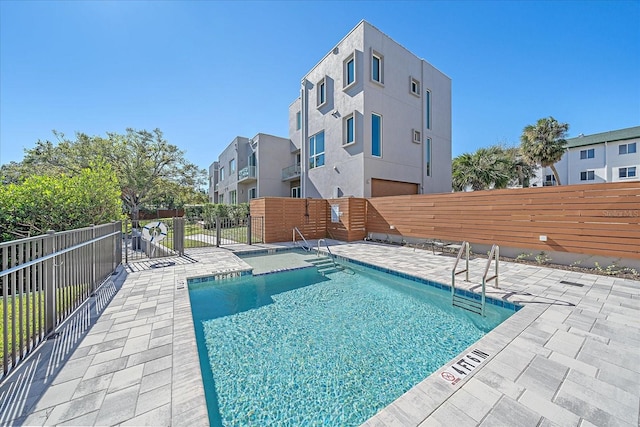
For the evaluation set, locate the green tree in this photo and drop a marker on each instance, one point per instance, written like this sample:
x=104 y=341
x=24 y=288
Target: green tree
x=63 y=202
x=544 y=143
x=484 y=169
x=146 y=165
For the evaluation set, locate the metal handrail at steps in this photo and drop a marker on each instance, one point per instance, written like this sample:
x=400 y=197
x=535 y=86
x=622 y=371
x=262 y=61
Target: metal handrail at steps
x=306 y=245
x=328 y=250
x=494 y=254
x=461 y=301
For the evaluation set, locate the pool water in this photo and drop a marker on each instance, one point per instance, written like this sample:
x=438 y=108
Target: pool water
x=300 y=348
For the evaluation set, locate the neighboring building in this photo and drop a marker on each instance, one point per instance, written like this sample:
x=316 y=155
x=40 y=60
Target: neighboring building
x=602 y=157
x=372 y=120
x=249 y=168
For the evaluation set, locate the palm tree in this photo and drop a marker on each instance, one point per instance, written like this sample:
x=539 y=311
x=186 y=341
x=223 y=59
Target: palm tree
x=544 y=143
x=486 y=168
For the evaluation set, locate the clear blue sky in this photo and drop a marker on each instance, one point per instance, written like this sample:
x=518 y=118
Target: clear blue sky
x=205 y=72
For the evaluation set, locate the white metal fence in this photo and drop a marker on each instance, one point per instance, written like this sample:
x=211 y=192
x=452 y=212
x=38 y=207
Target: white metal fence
x=46 y=278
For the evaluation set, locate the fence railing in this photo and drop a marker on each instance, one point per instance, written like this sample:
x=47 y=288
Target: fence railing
x=217 y=231
x=46 y=278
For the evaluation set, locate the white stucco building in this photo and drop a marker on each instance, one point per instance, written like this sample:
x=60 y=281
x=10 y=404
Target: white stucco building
x=602 y=157
x=372 y=119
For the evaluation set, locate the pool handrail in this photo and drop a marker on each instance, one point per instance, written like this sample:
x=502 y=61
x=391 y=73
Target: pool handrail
x=328 y=250
x=307 y=247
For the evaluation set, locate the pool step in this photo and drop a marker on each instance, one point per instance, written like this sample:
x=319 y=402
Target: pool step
x=466 y=303
x=325 y=265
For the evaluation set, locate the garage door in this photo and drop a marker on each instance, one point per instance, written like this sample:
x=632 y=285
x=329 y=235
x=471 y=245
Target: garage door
x=383 y=187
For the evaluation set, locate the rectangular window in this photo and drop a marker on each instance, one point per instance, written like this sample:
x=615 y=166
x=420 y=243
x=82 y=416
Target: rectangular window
x=377 y=68
x=416 y=136
x=376 y=135
x=316 y=150
x=232 y=166
x=322 y=92
x=427 y=107
x=295 y=192
x=627 y=148
x=233 y=197
x=349 y=130
x=587 y=154
x=629 y=172
x=298 y=120
x=549 y=180
x=350 y=70
x=414 y=87
x=253 y=193
x=587 y=176
x=221 y=172
x=427 y=156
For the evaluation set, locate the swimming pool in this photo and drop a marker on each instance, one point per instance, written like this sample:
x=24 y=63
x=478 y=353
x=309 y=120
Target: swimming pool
x=298 y=347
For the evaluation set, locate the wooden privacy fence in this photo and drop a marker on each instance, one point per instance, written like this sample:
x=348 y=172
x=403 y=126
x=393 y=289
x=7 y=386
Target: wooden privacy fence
x=592 y=219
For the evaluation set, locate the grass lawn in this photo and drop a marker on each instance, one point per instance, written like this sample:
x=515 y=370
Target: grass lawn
x=68 y=300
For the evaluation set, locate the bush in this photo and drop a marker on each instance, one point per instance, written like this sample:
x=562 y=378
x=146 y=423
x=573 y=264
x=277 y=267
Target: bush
x=59 y=203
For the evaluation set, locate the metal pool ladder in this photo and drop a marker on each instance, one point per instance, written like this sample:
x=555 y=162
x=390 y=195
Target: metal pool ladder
x=466 y=302
x=328 y=250
x=306 y=245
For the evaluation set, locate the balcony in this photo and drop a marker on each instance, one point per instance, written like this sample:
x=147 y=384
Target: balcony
x=247 y=174
x=291 y=172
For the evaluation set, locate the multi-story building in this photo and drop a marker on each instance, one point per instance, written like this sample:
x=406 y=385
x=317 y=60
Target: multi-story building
x=249 y=168
x=602 y=157
x=372 y=119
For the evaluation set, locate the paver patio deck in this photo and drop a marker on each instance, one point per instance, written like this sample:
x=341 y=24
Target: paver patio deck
x=569 y=357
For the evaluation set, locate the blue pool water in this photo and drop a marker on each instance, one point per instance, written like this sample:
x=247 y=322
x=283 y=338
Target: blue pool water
x=300 y=348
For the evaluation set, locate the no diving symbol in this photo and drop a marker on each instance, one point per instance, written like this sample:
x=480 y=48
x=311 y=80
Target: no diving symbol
x=447 y=376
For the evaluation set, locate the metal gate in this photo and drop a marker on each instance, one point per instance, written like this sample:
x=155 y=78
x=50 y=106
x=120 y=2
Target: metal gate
x=220 y=231
x=149 y=239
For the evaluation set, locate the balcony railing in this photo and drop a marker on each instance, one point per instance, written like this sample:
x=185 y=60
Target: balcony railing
x=248 y=173
x=291 y=172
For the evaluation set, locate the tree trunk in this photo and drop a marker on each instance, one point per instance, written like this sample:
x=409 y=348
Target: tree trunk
x=555 y=173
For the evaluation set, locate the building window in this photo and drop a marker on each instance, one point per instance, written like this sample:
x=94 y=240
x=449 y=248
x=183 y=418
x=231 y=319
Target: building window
x=376 y=135
x=253 y=193
x=295 y=192
x=427 y=156
x=221 y=198
x=349 y=71
x=627 y=148
x=221 y=173
x=414 y=86
x=587 y=176
x=316 y=150
x=427 y=107
x=629 y=172
x=587 y=154
x=417 y=137
x=321 y=96
x=233 y=197
x=298 y=120
x=549 y=181
x=232 y=166
x=349 y=130
x=377 y=67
